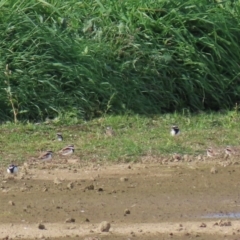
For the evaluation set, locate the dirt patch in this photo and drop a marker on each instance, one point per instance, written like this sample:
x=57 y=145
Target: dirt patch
x=119 y=231
x=172 y=201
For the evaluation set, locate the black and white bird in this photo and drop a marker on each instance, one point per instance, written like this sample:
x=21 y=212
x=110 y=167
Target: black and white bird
x=59 y=137
x=12 y=169
x=46 y=156
x=175 y=130
x=67 y=150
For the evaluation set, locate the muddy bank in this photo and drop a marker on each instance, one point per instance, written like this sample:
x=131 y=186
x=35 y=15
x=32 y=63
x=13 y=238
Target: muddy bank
x=139 y=200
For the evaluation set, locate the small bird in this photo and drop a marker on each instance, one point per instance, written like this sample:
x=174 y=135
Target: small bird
x=175 y=130
x=109 y=131
x=212 y=152
x=229 y=151
x=59 y=137
x=46 y=156
x=67 y=150
x=12 y=169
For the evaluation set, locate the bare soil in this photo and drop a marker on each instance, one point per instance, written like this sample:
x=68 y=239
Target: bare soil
x=140 y=201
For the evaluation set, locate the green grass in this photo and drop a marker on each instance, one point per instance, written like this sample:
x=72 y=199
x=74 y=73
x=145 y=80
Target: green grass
x=136 y=136
x=89 y=58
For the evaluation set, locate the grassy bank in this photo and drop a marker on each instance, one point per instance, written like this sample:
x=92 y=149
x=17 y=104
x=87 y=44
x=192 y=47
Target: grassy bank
x=89 y=58
x=136 y=137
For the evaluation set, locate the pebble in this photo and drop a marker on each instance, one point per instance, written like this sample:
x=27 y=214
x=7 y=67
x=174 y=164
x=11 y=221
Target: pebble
x=123 y=179
x=223 y=223
x=70 y=185
x=57 y=181
x=104 y=226
x=203 y=225
x=41 y=226
x=213 y=170
x=70 y=220
x=127 y=211
x=11 y=203
x=92 y=238
x=90 y=187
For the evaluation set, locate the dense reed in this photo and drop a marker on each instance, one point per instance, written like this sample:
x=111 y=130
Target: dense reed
x=88 y=58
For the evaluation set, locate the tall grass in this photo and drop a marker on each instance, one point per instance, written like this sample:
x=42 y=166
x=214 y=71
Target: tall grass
x=88 y=58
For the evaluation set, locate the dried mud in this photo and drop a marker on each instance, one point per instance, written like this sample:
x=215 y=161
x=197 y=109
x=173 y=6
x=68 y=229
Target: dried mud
x=140 y=201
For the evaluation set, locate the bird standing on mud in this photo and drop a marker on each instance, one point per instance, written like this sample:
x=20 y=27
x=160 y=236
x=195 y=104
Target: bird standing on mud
x=12 y=169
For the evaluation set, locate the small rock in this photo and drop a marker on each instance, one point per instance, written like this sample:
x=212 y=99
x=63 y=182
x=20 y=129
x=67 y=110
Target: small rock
x=100 y=189
x=92 y=238
x=213 y=170
x=127 y=211
x=90 y=187
x=41 y=236
x=57 y=181
x=70 y=220
x=25 y=209
x=23 y=189
x=123 y=179
x=11 y=203
x=104 y=226
x=179 y=229
x=70 y=185
x=203 y=225
x=41 y=226
x=223 y=223
x=72 y=227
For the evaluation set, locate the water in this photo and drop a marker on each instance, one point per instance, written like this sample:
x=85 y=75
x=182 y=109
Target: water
x=233 y=215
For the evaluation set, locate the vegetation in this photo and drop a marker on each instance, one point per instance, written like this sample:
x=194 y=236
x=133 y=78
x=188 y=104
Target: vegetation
x=136 y=137
x=89 y=58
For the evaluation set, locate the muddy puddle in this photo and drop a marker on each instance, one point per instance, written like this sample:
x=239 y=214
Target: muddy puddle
x=231 y=215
